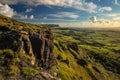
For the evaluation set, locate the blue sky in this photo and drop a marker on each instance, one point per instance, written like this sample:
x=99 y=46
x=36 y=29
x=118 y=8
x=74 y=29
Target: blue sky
x=74 y=13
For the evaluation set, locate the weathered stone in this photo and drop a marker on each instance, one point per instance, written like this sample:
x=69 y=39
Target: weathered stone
x=32 y=48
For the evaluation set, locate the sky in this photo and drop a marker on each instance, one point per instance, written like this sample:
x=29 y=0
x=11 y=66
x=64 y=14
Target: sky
x=66 y=13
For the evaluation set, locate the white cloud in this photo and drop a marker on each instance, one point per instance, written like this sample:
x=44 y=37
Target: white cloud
x=7 y=10
x=45 y=18
x=102 y=9
x=9 y=1
x=65 y=15
x=76 y=4
x=111 y=15
x=116 y=19
x=28 y=10
x=95 y=20
x=25 y=16
x=117 y=2
x=42 y=23
x=32 y=17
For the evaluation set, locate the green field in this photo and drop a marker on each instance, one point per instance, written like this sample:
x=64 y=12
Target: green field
x=87 y=54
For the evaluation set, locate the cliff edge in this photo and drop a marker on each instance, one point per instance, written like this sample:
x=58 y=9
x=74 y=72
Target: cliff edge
x=26 y=51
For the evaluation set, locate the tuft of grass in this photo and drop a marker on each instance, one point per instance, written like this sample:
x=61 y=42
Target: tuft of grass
x=1 y=52
x=13 y=70
x=1 y=32
x=8 y=53
x=24 y=56
x=15 y=61
x=27 y=71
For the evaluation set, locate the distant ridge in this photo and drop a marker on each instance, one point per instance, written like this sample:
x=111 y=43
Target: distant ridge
x=50 y=25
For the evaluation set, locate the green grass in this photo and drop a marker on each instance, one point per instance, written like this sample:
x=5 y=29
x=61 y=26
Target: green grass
x=29 y=71
x=69 y=69
x=13 y=70
x=94 y=46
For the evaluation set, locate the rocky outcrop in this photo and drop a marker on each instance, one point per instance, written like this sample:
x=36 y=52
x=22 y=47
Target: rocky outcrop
x=42 y=46
x=39 y=46
x=26 y=47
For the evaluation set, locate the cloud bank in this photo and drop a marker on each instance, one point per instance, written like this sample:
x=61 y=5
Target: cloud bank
x=83 y=5
x=65 y=15
x=102 y=9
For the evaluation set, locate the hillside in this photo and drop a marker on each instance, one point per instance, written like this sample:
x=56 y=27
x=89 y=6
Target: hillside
x=87 y=54
x=26 y=51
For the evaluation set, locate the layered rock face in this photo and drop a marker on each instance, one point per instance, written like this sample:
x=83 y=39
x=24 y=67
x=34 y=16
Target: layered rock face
x=38 y=45
x=25 y=50
x=42 y=46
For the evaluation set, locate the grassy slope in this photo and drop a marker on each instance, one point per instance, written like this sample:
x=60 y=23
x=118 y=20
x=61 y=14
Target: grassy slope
x=100 y=49
x=12 y=24
x=10 y=61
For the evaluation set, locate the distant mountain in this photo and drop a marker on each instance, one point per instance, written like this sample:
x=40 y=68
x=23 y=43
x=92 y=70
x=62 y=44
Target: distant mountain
x=51 y=25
